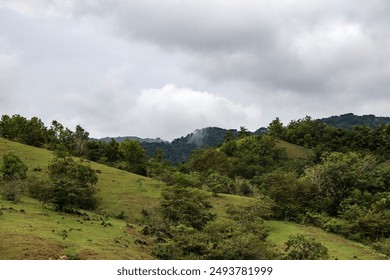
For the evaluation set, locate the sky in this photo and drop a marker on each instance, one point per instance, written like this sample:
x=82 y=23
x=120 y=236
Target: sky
x=163 y=68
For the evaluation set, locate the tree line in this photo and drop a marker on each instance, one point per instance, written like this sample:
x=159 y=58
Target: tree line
x=128 y=155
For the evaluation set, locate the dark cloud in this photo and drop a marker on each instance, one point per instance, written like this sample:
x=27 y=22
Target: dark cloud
x=303 y=46
x=105 y=63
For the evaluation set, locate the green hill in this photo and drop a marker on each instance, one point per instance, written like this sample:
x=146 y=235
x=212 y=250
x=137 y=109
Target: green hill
x=29 y=230
x=349 y=120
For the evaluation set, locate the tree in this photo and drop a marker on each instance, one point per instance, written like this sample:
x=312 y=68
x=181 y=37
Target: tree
x=14 y=171
x=283 y=188
x=112 y=151
x=133 y=157
x=339 y=174
x=300 y=247
x=185 y=206
x=208 y=159
x=81 y=138
x=244 y=132
x=306 y=132
x=13 y=168
x=72 y=185
x=276 y=128
x=256 y=155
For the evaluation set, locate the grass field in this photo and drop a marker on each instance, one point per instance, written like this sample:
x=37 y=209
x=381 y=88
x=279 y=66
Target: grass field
x=30 y=231
x=295 y=152
x=339 y=247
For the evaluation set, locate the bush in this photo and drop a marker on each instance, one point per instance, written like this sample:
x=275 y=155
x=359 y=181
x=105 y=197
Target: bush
x=300 y=247
x=37 y=188
x=185 y=206
x=13 y=168
x=11 y=190
x=383 y=246
x=72 y=186
x=14 y=173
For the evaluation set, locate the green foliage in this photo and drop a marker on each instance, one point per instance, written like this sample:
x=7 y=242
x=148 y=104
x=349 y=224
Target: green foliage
x=81 y=138
x=339 y=174
x=185 y=206
x=38 y=188
x=73 y=185
x=350 y=120
x=235 y=241
x=305 y=132
x=186 y=243
x=218 y=240
x=13 y=168
x=300 y=247
x=289 y=193
x=208 y=159
x=133 y=157
x=11 y=190
x=230 y=148
x=256 y=155
x=17 y=128
x=276 y=128
x=253 y=213
x=217 y=183
x=14 y=171
x=383 y=246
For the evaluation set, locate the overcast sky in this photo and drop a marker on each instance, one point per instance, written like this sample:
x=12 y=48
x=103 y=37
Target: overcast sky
x=163 y=68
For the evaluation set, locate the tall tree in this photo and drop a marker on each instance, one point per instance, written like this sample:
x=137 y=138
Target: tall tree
x=81 y=138
x=276 y=128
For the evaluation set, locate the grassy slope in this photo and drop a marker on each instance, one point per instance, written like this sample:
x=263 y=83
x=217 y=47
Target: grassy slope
x=30 y=234
x=338 y=246
x=29 y=231
x=295 y=152
x=37 y=233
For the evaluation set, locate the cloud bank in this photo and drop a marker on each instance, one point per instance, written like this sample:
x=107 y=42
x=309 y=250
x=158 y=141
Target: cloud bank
x=164 y=68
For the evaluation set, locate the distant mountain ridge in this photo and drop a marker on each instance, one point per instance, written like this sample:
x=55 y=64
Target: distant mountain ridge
x=180 y=148
x=347 y=121
x=133 y=138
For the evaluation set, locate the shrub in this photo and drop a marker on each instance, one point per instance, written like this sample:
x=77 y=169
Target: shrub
x=300 y=247
x=72 y=186
x=14 y=172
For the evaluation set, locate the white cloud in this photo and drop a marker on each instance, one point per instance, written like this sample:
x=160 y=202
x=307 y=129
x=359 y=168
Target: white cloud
x=172 y=112
x=9 y=63
x=152 y=68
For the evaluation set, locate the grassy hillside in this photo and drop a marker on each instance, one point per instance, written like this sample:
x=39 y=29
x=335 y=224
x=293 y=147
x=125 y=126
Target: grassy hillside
x=120 y=191
x=295 y=152
x=30 y=231
x=339 y=247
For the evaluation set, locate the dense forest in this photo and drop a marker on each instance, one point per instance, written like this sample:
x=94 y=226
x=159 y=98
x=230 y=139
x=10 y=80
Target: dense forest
x=350 y=120
x=340 y=183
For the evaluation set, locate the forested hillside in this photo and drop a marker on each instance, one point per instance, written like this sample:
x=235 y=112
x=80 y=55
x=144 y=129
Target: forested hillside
x=179 y=149
x=241 y=192
x=350 y=120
